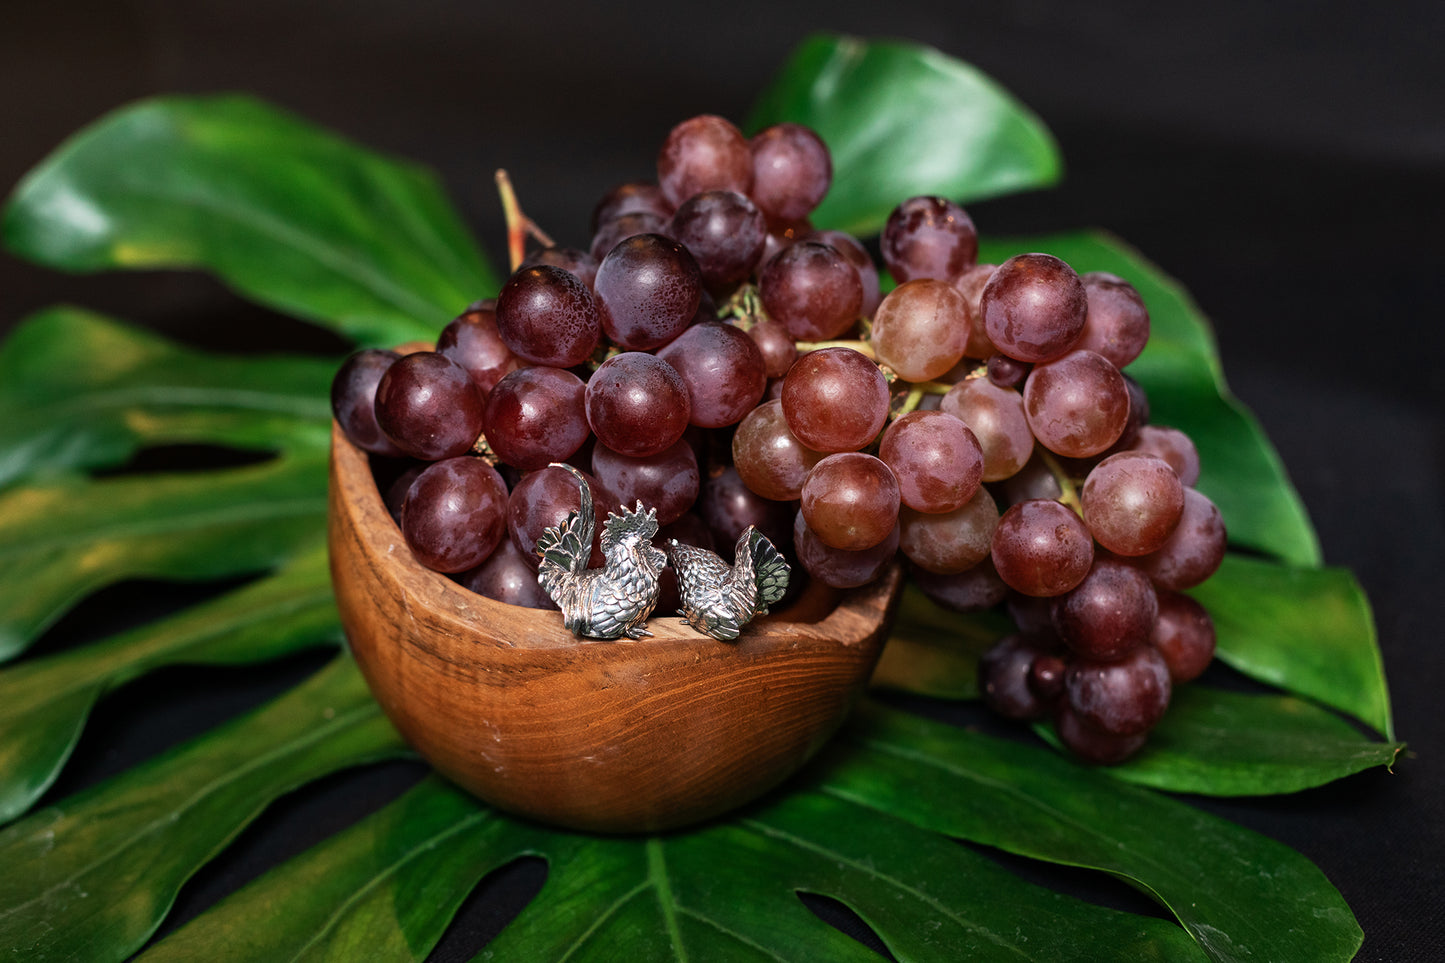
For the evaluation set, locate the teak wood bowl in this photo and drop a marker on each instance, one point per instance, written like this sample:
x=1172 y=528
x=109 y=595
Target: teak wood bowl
x=623 y=736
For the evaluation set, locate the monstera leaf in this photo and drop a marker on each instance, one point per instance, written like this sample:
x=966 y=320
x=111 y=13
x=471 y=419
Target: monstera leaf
x=302 y=220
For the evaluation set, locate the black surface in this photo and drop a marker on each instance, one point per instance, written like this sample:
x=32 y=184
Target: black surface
x=1285 y=161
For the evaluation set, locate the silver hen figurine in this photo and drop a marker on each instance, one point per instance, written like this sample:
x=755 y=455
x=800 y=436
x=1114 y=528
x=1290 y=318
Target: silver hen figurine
x=612 y=601
x=719 y=599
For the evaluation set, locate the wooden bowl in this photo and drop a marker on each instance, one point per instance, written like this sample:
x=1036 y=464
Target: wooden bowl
x=622 y=736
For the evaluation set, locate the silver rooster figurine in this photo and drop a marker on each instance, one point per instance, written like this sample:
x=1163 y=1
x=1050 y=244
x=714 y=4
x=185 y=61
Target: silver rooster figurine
x=719 y=599
x=612 y=601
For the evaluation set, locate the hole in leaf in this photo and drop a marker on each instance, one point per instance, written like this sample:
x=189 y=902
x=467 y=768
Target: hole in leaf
x=1091 y=886
x=125 y=605
x=496 y=901
x=185 y=458
x=170 y=706
x=291 y=825
x=839 y=916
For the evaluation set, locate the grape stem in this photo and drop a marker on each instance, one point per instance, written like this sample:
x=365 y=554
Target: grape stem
x=1069 y=496
x=519 y=225
x=862 y=347
x=745 y=308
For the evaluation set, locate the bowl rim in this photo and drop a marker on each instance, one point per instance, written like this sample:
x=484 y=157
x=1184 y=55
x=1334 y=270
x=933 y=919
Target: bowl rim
x=847 y=617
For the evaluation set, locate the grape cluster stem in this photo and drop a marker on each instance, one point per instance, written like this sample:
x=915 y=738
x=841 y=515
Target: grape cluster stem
x=519 y=225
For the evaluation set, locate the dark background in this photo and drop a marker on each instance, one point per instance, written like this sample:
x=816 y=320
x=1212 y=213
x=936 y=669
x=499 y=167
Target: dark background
x=1285 y=161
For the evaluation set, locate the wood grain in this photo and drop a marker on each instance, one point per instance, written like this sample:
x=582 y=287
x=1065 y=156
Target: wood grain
x=616 y=736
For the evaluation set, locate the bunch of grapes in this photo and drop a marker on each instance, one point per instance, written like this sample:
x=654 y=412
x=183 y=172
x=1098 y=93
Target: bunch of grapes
x=713 y=356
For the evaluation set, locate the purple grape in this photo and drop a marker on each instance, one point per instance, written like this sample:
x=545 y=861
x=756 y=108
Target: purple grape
x=619 y=229
x=509 y=577
x=1117 y=323
x=725 y=232
x=812 y=290
x=723 y=370
x=929 y=237
x=455 y=514
x=1195 y=549
x=1109 y=614
x=850 y=501
x=546 y=315
x=729 y=506
x=648 y=291
x=949 y=542
x=667 y=480
x=1033 y=307
x=353 y=400
x=541 y=500
x=637 y=404
x=777 y=347
x=1132 y=503
x=569 y=259
x=1092 y=745
x=835 y=399
x=635 y=197
x=852 y=249
x=1184 y=635
x=972 y=590
x=473 y=341
x=1122 y=698
x=936 y=458
x=428 y=405
x=791 y=171
x=703 y=153
x=838 y=567
x=1041 y=548
x=1003 y=678
x=536 y=416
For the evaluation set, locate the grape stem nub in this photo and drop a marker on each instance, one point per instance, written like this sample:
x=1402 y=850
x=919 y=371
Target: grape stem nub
x=1069 y=496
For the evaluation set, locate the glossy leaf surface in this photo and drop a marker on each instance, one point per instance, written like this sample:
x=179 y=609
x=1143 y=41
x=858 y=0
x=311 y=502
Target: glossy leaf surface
x=93 y=876
x=1242 y=896
x=935 y=652
x=61 y=540
x=730 y=891
x=1220 y=743
x=1240 y=470
x=44 y=702
x=1306 y=630
x=80 y=391
x=384 y=889
x=902 y=119
x=288 y=214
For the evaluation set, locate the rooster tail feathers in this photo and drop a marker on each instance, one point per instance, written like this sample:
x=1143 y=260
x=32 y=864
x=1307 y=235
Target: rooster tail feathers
x=760 y=562
x=567 y=548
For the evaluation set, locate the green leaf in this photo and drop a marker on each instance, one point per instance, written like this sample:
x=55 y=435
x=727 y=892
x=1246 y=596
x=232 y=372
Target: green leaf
x=288 y=214
x=62 y=540
x=385 y=889
x=44 y=702
x=1306 y=630
x=902 y=119
x=1221 y=743
x=935 y=652
x=730 y=891
x=92 y=877
x=1242 y=896
x=1240 y=470
x=78 y=391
